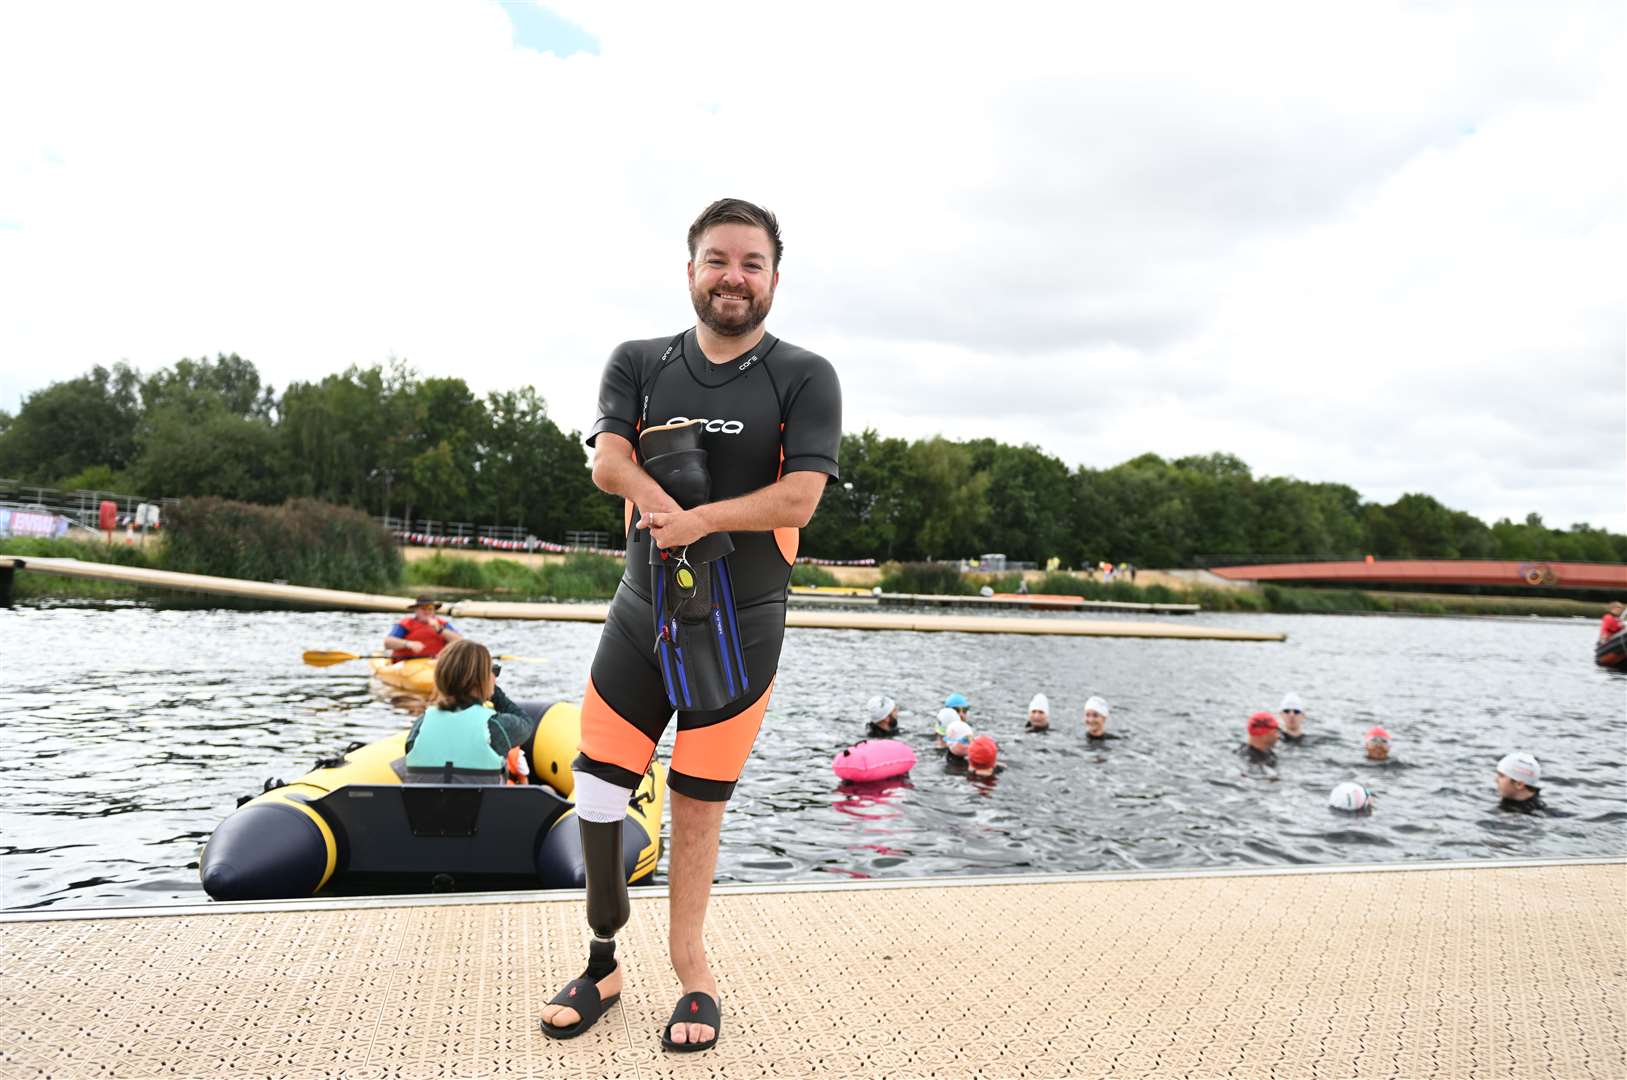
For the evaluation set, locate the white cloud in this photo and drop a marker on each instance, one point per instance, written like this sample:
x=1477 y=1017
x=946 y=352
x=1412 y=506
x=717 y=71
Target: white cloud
x=1376 y=244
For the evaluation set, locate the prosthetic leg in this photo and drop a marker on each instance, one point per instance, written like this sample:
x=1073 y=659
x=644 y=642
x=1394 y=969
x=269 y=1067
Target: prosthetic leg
x=697 y=637
x=608 y=907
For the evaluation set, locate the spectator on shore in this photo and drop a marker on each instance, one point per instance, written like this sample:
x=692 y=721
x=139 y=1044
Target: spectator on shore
x=883 y=716
x=1096 y=712
x=1262 y=736
x=1518 y=775
x=423 y=634
x=1293 y=717
x=1039 y=713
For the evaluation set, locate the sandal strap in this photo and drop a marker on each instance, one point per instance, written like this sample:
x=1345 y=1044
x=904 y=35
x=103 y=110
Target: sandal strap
x=696 y=1007
x=580 y=994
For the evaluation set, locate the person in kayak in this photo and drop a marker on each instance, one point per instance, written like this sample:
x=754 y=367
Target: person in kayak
x=1611 y=624
x=421 y=635
x=746 y=431
x=460 y=738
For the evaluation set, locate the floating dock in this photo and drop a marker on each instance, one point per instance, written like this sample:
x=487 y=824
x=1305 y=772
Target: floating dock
x=483 y=609
x=841 y=595
x=1422 y=970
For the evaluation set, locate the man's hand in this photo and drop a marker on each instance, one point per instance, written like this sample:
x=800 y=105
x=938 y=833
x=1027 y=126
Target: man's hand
x=416 y=646
x=674 y=528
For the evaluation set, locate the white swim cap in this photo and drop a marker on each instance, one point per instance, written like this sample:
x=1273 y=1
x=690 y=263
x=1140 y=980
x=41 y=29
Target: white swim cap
x=1291 y=701
x=880 y=707
x=958 y=732
x=946 y=716
x=1522 y=767
x=987 y=590
x=1350 y=797
x=1096 y=705
x=1040 y=703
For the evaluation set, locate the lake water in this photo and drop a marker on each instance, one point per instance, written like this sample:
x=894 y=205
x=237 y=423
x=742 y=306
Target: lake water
x=127 y=734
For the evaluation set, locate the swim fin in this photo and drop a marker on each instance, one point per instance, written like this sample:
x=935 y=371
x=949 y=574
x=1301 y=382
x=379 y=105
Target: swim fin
x=697 y=637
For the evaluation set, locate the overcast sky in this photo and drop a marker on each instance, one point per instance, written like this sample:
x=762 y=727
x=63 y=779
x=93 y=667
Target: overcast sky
x=1374 y=244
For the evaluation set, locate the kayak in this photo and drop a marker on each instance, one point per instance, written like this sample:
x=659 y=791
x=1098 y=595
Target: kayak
x=353 y=819
x=416 y=676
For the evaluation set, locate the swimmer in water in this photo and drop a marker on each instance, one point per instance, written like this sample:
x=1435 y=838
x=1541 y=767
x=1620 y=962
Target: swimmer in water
x=883 y=713
x=957 y=740
x=959 y=703
x=1518 y=775
x=1096 y=720
x=1292 y=717
x=945 y=717
x=1039 y=713
x=1262 y=736
x=1377 y=744
x=983 y=757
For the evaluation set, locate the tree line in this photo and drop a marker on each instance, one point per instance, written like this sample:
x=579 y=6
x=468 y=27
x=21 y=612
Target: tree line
x=384 y=439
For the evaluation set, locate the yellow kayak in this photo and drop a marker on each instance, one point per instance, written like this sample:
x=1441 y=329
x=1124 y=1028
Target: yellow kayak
x=352 y=817
x=414 y=676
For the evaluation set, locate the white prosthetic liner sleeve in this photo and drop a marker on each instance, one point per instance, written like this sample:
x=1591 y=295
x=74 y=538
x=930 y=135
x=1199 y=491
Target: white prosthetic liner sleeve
x=600 y=801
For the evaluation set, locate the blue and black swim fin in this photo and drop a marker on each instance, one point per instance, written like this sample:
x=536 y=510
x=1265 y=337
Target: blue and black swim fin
x=697 y=636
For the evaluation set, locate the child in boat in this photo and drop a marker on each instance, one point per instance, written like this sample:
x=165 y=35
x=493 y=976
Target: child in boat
x=461 y=739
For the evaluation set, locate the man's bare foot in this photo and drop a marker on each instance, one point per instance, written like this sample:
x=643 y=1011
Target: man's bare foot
x=563 y=1016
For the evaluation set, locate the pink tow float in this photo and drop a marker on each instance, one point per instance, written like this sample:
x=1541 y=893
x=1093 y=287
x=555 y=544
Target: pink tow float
x=874 y=759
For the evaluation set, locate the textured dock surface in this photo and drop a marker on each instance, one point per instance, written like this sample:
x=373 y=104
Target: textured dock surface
x=1472 y=970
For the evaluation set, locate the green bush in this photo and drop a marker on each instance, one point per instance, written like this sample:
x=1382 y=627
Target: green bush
x=117 y=552
x=445 y=572
x=583 y=577
x=930 y=579
x=808 y=574
x=302 y=542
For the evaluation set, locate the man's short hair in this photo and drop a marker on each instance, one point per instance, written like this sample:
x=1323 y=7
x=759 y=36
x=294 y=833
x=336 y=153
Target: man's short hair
x=737 y=212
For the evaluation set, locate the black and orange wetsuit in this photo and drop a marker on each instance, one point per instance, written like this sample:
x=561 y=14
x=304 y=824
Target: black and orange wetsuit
x=776 y=409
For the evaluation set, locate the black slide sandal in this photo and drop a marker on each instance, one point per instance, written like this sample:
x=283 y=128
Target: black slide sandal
x=583 y=996
x=695 y=1008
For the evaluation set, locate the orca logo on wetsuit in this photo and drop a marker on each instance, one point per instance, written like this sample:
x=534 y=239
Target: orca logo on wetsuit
x=726 y=427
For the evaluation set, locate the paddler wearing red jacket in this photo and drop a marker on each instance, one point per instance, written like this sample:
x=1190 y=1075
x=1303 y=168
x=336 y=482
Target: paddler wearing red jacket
x=421 y=634
x=1611 y=623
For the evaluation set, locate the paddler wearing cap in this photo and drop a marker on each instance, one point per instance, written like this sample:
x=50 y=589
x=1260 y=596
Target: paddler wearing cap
x=1263 y=731
x=423 y=634
x=1518 y=777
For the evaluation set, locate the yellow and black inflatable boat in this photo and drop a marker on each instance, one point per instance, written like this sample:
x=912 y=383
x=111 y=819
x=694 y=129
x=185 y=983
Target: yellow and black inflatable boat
x=352 y=817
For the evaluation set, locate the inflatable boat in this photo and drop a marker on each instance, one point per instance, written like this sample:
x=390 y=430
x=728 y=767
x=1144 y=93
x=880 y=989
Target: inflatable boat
x=354 y=819
x=1612 y=651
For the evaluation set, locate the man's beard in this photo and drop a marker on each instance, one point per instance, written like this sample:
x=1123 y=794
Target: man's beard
x=756 y=310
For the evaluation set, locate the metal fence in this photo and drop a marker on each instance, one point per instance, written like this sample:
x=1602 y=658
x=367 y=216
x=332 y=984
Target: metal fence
x=82 y=507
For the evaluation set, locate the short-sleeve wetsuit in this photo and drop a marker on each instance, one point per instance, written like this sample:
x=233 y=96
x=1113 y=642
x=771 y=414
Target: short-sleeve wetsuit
x=776 y=409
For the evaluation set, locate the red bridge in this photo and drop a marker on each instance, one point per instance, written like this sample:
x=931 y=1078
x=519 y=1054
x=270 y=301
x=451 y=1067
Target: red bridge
x=1535 y=574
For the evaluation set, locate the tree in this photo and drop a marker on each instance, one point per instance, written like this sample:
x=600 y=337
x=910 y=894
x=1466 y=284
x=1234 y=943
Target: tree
x=70 y=426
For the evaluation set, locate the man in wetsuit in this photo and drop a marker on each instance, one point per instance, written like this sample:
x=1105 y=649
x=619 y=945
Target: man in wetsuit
x=772 y=426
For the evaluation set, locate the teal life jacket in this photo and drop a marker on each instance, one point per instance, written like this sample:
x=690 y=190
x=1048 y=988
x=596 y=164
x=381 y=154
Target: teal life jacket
x=455 y=747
